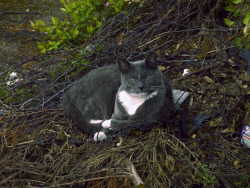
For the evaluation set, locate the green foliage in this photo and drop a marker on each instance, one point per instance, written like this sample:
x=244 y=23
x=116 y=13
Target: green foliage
x=10 y=95
x=12 y=90
x=239 y=10
x=228 y=22
x=204 y=177
x=3 y=86
x=3 y=92
x=243 y=181
x=82 y=20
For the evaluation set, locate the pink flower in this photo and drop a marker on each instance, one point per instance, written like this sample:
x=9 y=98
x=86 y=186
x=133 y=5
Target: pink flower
x=107 y=4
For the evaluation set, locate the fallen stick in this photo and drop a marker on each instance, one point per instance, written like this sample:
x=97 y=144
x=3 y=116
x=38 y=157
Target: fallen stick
x=134 y=176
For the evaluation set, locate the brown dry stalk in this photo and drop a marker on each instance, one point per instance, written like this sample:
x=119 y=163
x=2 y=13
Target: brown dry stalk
x=9 y=178
x=87 y=180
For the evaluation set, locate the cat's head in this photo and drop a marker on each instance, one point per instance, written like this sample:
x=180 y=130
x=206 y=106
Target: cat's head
x=140 y=77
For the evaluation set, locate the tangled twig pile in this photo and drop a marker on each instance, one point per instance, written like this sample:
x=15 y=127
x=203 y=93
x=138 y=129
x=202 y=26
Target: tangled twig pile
x=41 y=148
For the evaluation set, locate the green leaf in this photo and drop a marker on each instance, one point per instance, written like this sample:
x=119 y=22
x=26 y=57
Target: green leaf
x=230 y=8
x=43 y=51
x=68 y=8
x=98 y=23
x=32 y=23
x=75 y=32
x=236 y=1
x=63 y=9
x=246 y=20
x=238 y=42
x=59 y=42
x=246 y=31
x=62 y=37
x=40 y=22
x=217 y=182
x=103 y=19
x=90 y=29
x=51 y=48
x=54 y=20
x=228 y=22
x=58 y=32
x=40 y=46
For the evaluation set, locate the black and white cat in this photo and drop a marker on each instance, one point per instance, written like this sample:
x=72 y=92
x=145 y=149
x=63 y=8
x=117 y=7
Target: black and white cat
x=112 y=96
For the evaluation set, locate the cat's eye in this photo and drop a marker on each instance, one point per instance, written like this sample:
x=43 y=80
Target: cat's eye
x=132 y=79
x=148 y=76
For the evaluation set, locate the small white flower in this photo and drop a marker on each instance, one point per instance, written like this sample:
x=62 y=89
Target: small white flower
x=12 y=75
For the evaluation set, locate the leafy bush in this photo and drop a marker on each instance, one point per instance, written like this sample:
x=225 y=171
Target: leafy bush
x=240 y=11
x=243 y=181
x=83 y=18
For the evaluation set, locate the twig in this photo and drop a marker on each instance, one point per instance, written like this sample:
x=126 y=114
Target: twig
x=196 y=72
x=7 y=179
x=86 y=180
x=134 y=176
x=156 y=38
x=18 y=144
x=220 y=49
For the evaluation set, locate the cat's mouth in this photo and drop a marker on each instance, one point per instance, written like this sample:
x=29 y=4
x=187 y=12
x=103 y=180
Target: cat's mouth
x=142 y=94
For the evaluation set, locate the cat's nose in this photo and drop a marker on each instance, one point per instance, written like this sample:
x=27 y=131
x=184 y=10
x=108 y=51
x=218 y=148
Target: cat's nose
x=141 y=88
x=140 y=85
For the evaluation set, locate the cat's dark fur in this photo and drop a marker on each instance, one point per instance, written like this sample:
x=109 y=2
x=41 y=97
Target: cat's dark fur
x=112 y=96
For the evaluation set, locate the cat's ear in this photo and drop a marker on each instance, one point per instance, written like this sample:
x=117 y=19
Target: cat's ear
x=124 y=65
x=151 y=60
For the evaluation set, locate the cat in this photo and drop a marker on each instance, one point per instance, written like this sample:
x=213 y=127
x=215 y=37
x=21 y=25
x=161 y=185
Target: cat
x=109 y=97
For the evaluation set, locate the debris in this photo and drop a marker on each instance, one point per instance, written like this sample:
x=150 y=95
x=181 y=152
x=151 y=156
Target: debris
x=185 y=72
x=179 y=97
x=245 y=136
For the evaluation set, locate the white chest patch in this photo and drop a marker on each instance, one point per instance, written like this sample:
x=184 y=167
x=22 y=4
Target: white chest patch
x=132 y=101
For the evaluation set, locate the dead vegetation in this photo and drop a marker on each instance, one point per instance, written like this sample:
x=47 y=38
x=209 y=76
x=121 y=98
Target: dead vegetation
x=41 y=148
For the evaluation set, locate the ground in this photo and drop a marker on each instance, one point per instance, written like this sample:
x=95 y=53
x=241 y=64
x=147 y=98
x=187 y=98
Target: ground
x=40 y=147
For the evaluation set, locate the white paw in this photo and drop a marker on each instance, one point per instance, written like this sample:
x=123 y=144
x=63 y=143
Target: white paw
x=99 y=136
x=95 y=121
x=106 y=124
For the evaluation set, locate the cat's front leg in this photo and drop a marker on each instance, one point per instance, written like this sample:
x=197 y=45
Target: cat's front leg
x=106 y=131
x=109 y=127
